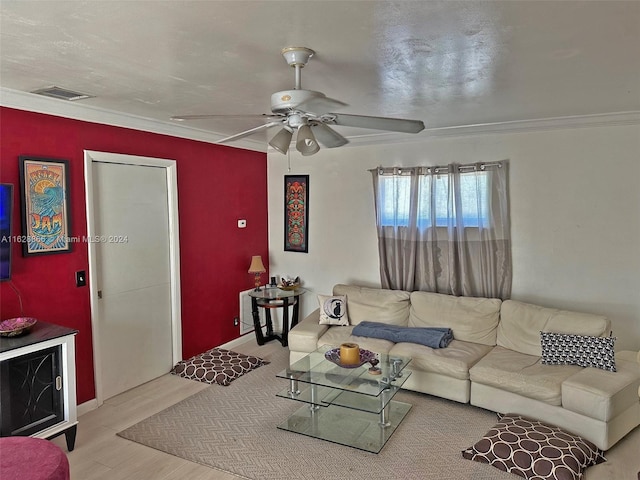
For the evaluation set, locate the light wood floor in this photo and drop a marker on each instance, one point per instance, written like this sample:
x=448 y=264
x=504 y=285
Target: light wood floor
x=101 y=455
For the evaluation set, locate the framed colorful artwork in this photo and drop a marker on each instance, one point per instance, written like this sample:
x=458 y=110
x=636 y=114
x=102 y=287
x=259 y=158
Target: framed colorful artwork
x=296 y=213
x=44 y=202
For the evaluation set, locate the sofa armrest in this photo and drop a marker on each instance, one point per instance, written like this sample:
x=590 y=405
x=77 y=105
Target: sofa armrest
x=304 y=336
x=602 y=394
x=629 y=356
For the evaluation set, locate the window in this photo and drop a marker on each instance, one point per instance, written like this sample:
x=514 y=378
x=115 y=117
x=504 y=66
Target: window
x=444 y=229
x=395 y=200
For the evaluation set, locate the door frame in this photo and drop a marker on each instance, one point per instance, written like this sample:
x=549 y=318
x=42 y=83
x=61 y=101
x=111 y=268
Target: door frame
x=170 y=167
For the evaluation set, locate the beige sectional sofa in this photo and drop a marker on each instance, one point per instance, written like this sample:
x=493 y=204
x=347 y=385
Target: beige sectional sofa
x=494 y=361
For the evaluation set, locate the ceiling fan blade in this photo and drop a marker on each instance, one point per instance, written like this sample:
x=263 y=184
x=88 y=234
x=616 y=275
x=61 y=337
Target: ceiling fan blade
x=251 y=131
x=264 y=116
x=320 y=105
x=378 y=123
x=327 y=136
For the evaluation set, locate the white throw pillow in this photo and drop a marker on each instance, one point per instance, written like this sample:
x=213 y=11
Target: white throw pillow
x=333 y=310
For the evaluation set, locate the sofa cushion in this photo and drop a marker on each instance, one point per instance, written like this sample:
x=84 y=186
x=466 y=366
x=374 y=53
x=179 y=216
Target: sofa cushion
x=338 y=335
x=601 y=394
x=471 y=319
x=453 y=361
x=583 y=350
x=333 y=310
x=375 y=304
x=521 y=324
x=522 y=374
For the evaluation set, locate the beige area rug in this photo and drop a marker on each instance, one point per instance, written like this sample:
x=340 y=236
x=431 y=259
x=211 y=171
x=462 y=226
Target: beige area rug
x=233 y=429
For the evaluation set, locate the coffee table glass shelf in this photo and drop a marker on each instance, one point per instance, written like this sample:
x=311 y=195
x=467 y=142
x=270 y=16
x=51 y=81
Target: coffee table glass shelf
x=349 y=406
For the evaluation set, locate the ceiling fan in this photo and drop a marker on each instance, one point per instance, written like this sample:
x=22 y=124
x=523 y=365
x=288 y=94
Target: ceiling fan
x=307 y=112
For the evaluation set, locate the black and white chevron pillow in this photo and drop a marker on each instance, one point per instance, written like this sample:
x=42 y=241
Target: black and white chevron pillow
x=582 y=350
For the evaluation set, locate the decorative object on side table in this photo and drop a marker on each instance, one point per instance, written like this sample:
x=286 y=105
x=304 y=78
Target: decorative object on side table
x=16 y=326
x=287 y=283
x=257 y=268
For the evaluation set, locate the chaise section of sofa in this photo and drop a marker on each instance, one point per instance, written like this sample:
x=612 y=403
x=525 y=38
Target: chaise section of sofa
x=599 y=405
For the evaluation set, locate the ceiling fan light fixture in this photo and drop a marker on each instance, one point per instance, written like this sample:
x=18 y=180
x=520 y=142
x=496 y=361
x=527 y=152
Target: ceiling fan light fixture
x=310 y=113
x=306 y=143
x=282 y=140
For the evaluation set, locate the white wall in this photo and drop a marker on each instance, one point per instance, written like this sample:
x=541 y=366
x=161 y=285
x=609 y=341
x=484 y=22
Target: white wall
x=575 y=214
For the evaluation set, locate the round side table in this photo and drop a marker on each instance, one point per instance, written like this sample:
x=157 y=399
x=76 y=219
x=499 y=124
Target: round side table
x=269 y=298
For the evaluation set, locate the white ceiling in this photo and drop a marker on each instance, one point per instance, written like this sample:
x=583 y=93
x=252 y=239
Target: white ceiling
x=448 y=63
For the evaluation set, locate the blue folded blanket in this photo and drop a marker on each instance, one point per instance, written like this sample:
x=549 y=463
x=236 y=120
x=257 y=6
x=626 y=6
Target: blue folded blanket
x=435 y=337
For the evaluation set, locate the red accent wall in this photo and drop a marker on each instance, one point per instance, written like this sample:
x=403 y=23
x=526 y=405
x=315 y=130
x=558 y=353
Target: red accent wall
x=217 y=185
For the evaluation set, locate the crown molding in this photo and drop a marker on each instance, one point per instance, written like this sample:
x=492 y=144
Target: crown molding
x=518 y=126
x=39 y=104
x=534 y=125
x=61 y=108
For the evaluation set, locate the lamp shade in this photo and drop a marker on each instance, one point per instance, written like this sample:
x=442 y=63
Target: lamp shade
x=306 y=143
x=256 y=265
x=282 y=140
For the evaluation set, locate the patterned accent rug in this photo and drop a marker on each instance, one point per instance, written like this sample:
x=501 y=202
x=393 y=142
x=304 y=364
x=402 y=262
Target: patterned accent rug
x=233 y=429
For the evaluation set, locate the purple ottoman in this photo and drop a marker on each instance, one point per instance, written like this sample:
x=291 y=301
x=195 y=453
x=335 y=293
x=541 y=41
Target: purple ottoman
x=27 y=458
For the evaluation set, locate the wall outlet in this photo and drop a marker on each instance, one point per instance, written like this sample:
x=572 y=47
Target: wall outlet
x=236 y=321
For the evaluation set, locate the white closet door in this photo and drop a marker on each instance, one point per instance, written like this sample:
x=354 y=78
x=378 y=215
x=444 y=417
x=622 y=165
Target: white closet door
x=133 y=271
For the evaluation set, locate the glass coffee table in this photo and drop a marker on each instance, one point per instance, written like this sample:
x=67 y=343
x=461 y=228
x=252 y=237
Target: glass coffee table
x=349 y=406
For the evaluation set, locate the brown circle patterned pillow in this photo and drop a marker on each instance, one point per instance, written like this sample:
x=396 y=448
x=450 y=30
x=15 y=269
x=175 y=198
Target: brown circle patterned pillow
x=533 y=450
x=217 y=366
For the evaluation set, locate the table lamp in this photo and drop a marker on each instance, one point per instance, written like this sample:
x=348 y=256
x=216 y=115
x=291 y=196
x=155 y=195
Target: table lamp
x=257 y=268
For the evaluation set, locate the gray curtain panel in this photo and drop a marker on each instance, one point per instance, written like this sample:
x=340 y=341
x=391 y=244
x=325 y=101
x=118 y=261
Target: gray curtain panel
x=445 y=229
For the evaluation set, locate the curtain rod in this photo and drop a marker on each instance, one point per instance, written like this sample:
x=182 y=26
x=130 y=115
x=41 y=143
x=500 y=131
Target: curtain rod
x=436 y=169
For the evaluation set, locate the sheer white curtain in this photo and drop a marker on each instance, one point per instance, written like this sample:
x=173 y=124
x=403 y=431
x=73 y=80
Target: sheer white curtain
x=445 y=229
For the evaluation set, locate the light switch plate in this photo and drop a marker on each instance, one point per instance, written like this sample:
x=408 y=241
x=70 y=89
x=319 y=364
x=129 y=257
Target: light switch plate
x=81 y=278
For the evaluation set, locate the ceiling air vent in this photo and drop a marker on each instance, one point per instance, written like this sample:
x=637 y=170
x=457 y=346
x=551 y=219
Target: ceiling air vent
x=61 y=93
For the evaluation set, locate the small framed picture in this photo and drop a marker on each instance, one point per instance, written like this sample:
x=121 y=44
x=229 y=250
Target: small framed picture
x=296 y=213
x=44 y=202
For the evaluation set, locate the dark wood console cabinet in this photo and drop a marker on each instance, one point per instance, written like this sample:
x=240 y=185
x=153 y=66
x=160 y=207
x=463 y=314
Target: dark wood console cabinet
x=37 y=380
